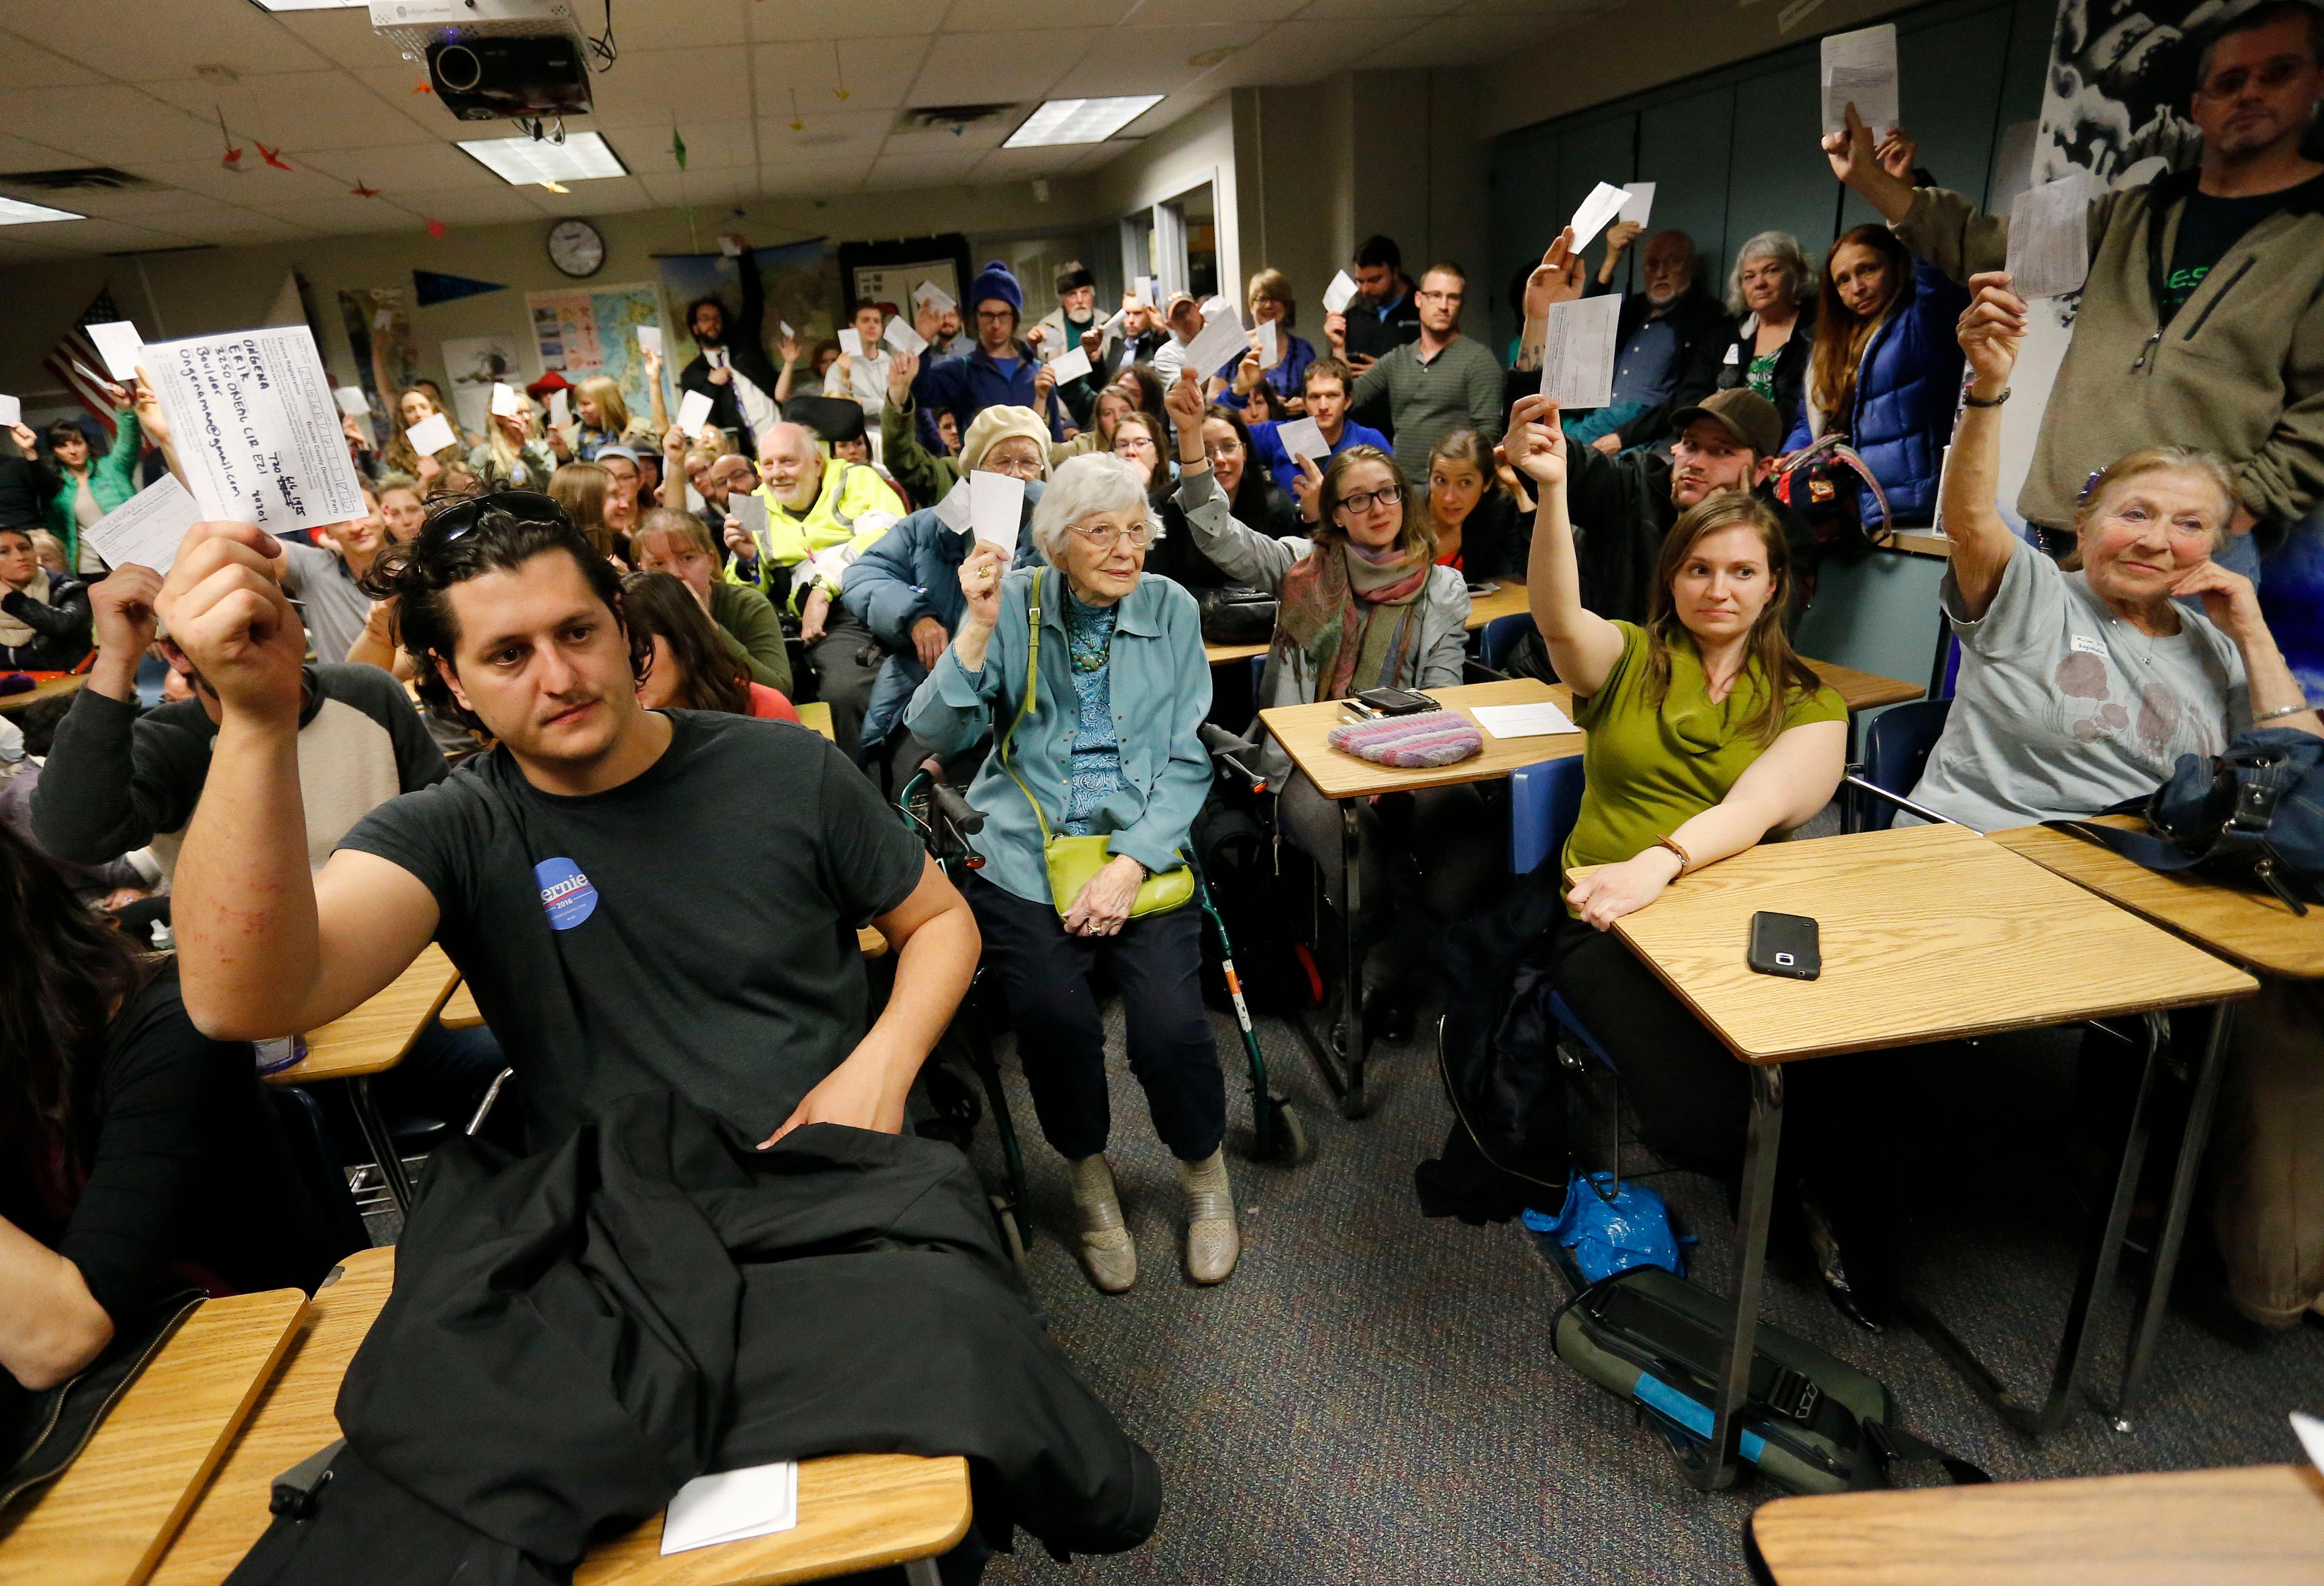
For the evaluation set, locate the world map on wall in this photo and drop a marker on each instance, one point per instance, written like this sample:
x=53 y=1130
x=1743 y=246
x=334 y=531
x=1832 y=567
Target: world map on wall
x=586 y=333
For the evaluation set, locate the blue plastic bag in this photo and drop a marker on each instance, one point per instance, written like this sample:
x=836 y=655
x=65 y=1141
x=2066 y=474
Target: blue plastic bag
x=1603 y=1236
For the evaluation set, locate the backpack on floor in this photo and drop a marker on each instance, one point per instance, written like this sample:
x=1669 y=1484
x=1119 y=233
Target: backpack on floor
x=1811 y=1422
x=2258 y=809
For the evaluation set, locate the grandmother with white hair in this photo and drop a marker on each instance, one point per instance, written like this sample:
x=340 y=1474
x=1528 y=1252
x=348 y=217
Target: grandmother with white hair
x=1772 y=294
x=1091 y=678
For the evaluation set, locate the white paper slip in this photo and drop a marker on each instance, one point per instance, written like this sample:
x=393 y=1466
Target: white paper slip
x=256 y=428
x=353 y=402
x=1577 y=355
x=1861 y=68
x=2311 y=1437
x=148 y=528
x=119 y=342
x=650 y=339
x=383 y=320
x=1639 y=206
x=929 y=295
x=431 y=435
x=750 y=508
x=1340 y=294
x=1301 y=437
x=785 y=327
x=1590 y=217
x=506 y=403
x=2050 y=237
x=730 y=248
x=1220 y=343
x=561 y=407
x=1270 y=345
x=1143 y=286
x=1071 y=364
x=732 y=1506
x=1522 y=721
x=953 y=511
x=12 y=413
x=693 y=413
x=996 y=507
x=900 y=336
x=850 y=342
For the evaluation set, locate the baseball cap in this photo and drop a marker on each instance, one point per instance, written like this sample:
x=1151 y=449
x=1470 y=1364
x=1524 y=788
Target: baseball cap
x=1750 y=418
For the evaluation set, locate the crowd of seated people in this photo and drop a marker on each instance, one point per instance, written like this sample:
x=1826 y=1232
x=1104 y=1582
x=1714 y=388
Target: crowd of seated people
x=695 y=670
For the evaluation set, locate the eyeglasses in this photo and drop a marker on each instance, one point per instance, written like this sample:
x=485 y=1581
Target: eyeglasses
x=1387 y=495
x=1132 y=443
x=526 y=506
x=1106 y=535
x=1223 y=448
x=994 y=315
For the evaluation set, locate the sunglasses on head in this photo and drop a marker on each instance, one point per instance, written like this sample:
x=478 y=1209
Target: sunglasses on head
x=455 y=519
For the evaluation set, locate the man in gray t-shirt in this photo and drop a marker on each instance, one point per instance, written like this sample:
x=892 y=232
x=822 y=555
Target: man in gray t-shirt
x=334 y=609
x=2063 y=708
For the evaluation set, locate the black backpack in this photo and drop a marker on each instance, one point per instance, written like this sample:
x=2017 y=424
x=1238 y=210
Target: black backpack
x=2256 y=809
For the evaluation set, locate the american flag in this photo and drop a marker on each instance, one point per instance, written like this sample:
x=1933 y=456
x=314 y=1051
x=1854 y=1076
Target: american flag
x=76 y=362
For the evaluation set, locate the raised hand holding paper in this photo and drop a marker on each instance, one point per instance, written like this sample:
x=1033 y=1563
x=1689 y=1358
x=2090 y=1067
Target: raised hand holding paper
x=560 y=407
x=1639 y=206
x=1859 y=69
x=1577 y=355
x=929 y=294
x=2050 y=237
x=1143 y=287
x=1301 y=437
x=900 y=336
x=1074 y=365
x=352 y=401
x=256 y=428
x=650 y=339
x=731 y=247
x=12 y=413
x=996 y=508
x=148 y=528
x=1340 y=294
x=506 y=403
x=1271 y=346
x=752 y=509
x=850 y=342
x=120 y=343
x=1221 y=343
x=1604 y=202
x=693 y=412
x=430 y=436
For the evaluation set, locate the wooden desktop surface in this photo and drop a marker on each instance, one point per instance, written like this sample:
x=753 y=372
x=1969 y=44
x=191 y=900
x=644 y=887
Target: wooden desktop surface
x=1305 y=731
x=108 y=1518
x=73 y=684
x=2218 y=1527
x=2243 y=922
x=1507 y=601
x=855 y=1511
x=1864 y=690
x=817 y=713
x=375 y=1036
x=1922 y=542
x=1927 y=933
x=460 y=1010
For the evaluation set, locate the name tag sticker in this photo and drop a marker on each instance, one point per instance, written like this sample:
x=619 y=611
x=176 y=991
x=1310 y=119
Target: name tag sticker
x=2084 y=646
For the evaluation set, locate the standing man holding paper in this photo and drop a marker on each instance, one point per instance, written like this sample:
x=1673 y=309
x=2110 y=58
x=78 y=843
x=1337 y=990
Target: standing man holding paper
x=1438 y=384
x=2202 y=321
x=999 y=371
x=1069 y=328
x=733 y=350
x=1380 y=317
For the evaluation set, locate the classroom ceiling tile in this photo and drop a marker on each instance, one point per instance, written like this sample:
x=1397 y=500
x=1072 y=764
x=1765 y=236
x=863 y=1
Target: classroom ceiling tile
x=467 y=206
x=922 y=171
x=22 y=154
x=793 y=22
x=25 y=65
x=413 y=165
x=710 y=145
x=646 y=87
x=1303 y=51
x=612 y=195
x=1008 y=165
x=107 y=122
x=400 y=88
x=344 y=37
x=1459 y=40
x=983 y=68
x=153 y=41
x=297 y=109
x=1182 y=14
x=943 y=140
x=813 y=178
x=670 y=23
x=15 y=250
x=700 y=185
x=230 y=227
x=876 y=73
x=1360 y=10
x=109 y=237
x=992 y=16
x=206 y=179
x=140 y=204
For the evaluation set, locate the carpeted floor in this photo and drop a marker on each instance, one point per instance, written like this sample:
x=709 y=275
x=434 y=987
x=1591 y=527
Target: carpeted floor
x=1373 y=1398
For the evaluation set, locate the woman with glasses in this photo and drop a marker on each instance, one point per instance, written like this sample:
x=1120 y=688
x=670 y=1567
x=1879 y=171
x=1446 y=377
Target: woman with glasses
x=1362 y=604
x=1281 y=384
x=1092 y=677
x=1143 y=442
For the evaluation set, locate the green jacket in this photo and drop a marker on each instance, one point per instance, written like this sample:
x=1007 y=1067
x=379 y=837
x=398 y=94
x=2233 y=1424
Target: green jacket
x=926 y=477
x=2239 y=371
x=753 y=634
x=112 y=480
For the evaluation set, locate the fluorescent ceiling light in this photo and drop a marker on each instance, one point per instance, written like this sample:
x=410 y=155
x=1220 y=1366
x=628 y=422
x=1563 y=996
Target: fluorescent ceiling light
x=16 y=212
x=1079 y=120
x=526 y=162
x=311 y=4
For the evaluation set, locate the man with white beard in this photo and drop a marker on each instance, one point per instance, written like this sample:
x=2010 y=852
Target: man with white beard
x=1662 y=326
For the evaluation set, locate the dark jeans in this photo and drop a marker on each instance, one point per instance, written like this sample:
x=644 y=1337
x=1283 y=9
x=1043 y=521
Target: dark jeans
x=845 y=664
x=1156 y=963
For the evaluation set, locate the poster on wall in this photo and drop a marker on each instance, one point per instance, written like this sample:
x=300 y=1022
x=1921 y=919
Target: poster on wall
x=793 y=289
x=888 y=274
x=2115 y=105
x=593 y=330
x=473 y=366
x=378 y=320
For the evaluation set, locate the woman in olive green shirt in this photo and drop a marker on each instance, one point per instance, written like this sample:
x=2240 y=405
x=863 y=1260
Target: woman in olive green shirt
x=1707 y=733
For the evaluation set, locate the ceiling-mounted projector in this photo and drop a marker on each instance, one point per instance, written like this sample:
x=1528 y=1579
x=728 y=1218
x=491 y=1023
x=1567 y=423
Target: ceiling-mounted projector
x=494 y=59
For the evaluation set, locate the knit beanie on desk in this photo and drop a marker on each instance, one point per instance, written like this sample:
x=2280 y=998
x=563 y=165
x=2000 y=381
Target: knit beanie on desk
x=994 y=281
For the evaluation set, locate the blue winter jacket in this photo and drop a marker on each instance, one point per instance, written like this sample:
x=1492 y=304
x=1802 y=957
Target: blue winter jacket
x=1906 y=386
x=968 y=385
x=910 y=572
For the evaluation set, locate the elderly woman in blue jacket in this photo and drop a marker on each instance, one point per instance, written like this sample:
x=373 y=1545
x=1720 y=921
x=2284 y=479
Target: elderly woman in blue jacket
x=1885 y=370
x=1092 y=677
x=906 y=587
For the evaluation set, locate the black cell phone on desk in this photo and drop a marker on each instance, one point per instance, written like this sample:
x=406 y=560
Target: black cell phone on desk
x=1395 y=702
x=1482 y=588
x=1786 y=945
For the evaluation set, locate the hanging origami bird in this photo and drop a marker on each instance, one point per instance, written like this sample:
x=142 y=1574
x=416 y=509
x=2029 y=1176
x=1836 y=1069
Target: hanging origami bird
x=232 y=160
x=362 y=191
x=677 y=147
x=435 y=228
x=423 y=87
x=269 y=155
x=798 y=123
x=838 y=73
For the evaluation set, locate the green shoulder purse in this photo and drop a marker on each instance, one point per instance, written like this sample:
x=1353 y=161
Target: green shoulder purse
x=1073 y=861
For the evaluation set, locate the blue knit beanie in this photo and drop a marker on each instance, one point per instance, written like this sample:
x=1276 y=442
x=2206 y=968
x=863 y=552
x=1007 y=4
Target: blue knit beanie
x=995 y=282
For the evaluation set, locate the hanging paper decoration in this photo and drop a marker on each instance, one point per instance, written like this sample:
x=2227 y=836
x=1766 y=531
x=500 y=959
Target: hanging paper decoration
x=232 y=160
x=423 y=87
x=798 y=123
x=431 y=287
x=839 y=72
x=677 y=147
x=435 y=228
x=362 y=191
x=268 y=155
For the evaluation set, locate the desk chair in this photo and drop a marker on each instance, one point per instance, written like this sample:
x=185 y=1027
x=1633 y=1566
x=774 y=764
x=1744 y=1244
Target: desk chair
x=1544 y=801
x=312 y=1157
x=1897 y=748
x=1497 y=640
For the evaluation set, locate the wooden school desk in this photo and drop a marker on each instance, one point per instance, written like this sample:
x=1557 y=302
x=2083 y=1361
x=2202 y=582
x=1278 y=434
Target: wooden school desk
x=817 y=713
x=372 y=1039
x=107 y=1520
x=1304 y=730
x=855 y=1511
x=2245 y=924
x=1863 y=690
x=1507 y=601
x=72 y=683
x=2218 y=1527
x=1928 y=934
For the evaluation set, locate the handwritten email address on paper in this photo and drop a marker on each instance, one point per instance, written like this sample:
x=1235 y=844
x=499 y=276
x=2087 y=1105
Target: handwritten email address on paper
x=257 y=427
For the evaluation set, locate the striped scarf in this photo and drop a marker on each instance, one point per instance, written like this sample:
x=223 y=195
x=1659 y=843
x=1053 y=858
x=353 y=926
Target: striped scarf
x=1354 y=614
